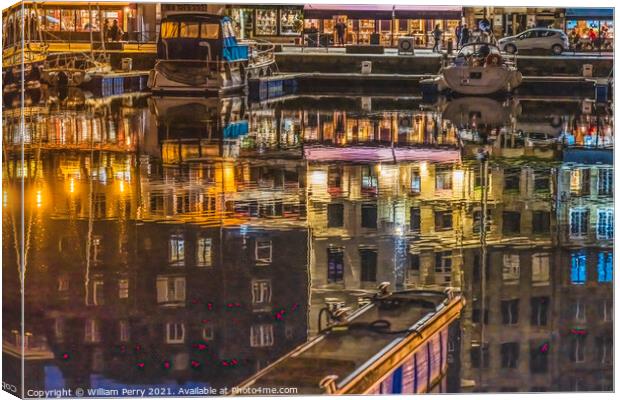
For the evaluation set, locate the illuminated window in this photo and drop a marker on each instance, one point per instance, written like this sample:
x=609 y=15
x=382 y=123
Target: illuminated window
x=443 y=179
x=605 y=224
x=175 y=333
x=263 y=251
x=261 y=335
x=170 y=289
x=416 y=182
x=580 y=181
x=92 y=332
x=578 y=268
x=98 y=294
x=578 y=222
x=261 y=291
x=203 y=252
x=369 y=178
x=123 y=288
x=176 y=250
x=540 y=269
x=169 y=30
x=511 y=268
x=605 y=266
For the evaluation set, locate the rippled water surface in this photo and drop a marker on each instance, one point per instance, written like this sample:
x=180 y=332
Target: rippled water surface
x=178 y=242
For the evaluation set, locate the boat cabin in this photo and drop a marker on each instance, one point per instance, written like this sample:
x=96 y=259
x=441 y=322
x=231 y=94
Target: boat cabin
x=481 y=53
x=206 y=37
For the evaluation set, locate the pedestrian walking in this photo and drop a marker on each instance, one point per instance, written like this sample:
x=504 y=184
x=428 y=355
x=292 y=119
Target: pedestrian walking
x=464 y=35
x=340 y=31
x=115 y=31
x=437 y=36
x=457 y=32
x=106 y=30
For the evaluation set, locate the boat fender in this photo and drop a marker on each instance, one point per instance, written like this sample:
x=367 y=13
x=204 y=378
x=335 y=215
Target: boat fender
x=494 y=60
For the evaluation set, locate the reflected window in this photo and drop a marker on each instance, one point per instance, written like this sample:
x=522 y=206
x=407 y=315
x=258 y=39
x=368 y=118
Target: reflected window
x=509 y=355
x=605 y=181
x=176 y=250
x=123 y=331
x=96 y=249
x=605 y=266
x=92 y=333
x=261 y=335
x=578 y=348
x=511 y=222
x=100 y=205
x=261 y=291
x=369 y=216
x=511 y=268
x=175 y=333
x=335 y=265
x=539 y=311
x=580 y=181
x=479 y=355
x=510 y=312
x=170 y=289
x=368 y=261
x=443 y=220
x=156 y=203
x=123 y=288
x=605 y=349
x=443 y=264
x=63 y=283
x=263 y=251
x=540 y=269
x=512 y=178
x=541 y=222
x=605 y=224
x=579 y=310
x=443 y=179
x=414 y=219
x=578 y=268
x=335 y=215
x=369 y=179
x=208 y=332
x=98 y=293
x=539 y=357
x=204 y=255
x=414 y=264
x=542 y=181
x=477 y=222
x=607 y=310
x=416 y=182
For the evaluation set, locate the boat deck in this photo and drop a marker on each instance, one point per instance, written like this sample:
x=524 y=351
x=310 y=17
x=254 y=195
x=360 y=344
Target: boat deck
x=350 y=351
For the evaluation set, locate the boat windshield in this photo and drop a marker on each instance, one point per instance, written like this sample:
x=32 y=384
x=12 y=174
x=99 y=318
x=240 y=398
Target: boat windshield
x=190 y=30
x=478 y=50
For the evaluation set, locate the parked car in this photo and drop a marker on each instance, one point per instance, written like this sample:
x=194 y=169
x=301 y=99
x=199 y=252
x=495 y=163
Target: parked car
x=537 y=38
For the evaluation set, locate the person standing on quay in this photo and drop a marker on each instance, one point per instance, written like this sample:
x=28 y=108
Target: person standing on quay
x=457 y=32
x=340 y=30
x=437 y=36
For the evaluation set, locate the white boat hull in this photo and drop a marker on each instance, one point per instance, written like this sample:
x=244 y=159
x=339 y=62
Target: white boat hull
x=479 y=80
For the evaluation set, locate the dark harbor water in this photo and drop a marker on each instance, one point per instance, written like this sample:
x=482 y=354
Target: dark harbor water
x=189 y=242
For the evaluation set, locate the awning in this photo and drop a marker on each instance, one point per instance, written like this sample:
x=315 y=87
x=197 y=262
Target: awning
x=428 y=12
x=374 y=11
x=354 y=11
x=589 y=13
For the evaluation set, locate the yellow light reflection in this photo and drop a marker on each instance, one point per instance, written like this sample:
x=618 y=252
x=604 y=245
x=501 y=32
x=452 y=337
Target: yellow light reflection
x=39 y=199
x=121 y=186
x=71 y=185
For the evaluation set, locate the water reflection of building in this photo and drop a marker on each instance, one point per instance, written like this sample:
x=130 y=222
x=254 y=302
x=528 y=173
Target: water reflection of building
x=195 y=254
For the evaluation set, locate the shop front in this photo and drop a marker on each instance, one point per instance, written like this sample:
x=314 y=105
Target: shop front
x=74 y=21
x=591 y=22
x=278 y=24
x=379 y=24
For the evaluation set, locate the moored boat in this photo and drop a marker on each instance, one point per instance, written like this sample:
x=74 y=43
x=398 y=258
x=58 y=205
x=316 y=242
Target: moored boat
x=478 y=69
x=397 y=343
x=198 y=53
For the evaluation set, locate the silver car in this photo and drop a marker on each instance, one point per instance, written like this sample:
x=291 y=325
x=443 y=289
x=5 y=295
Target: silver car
x=537 y=38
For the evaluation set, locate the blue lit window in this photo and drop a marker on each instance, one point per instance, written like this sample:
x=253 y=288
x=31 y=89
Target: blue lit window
x=578 y=268
x=605 y=266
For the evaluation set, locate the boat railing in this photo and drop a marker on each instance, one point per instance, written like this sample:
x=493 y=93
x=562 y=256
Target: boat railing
x=263 y=52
